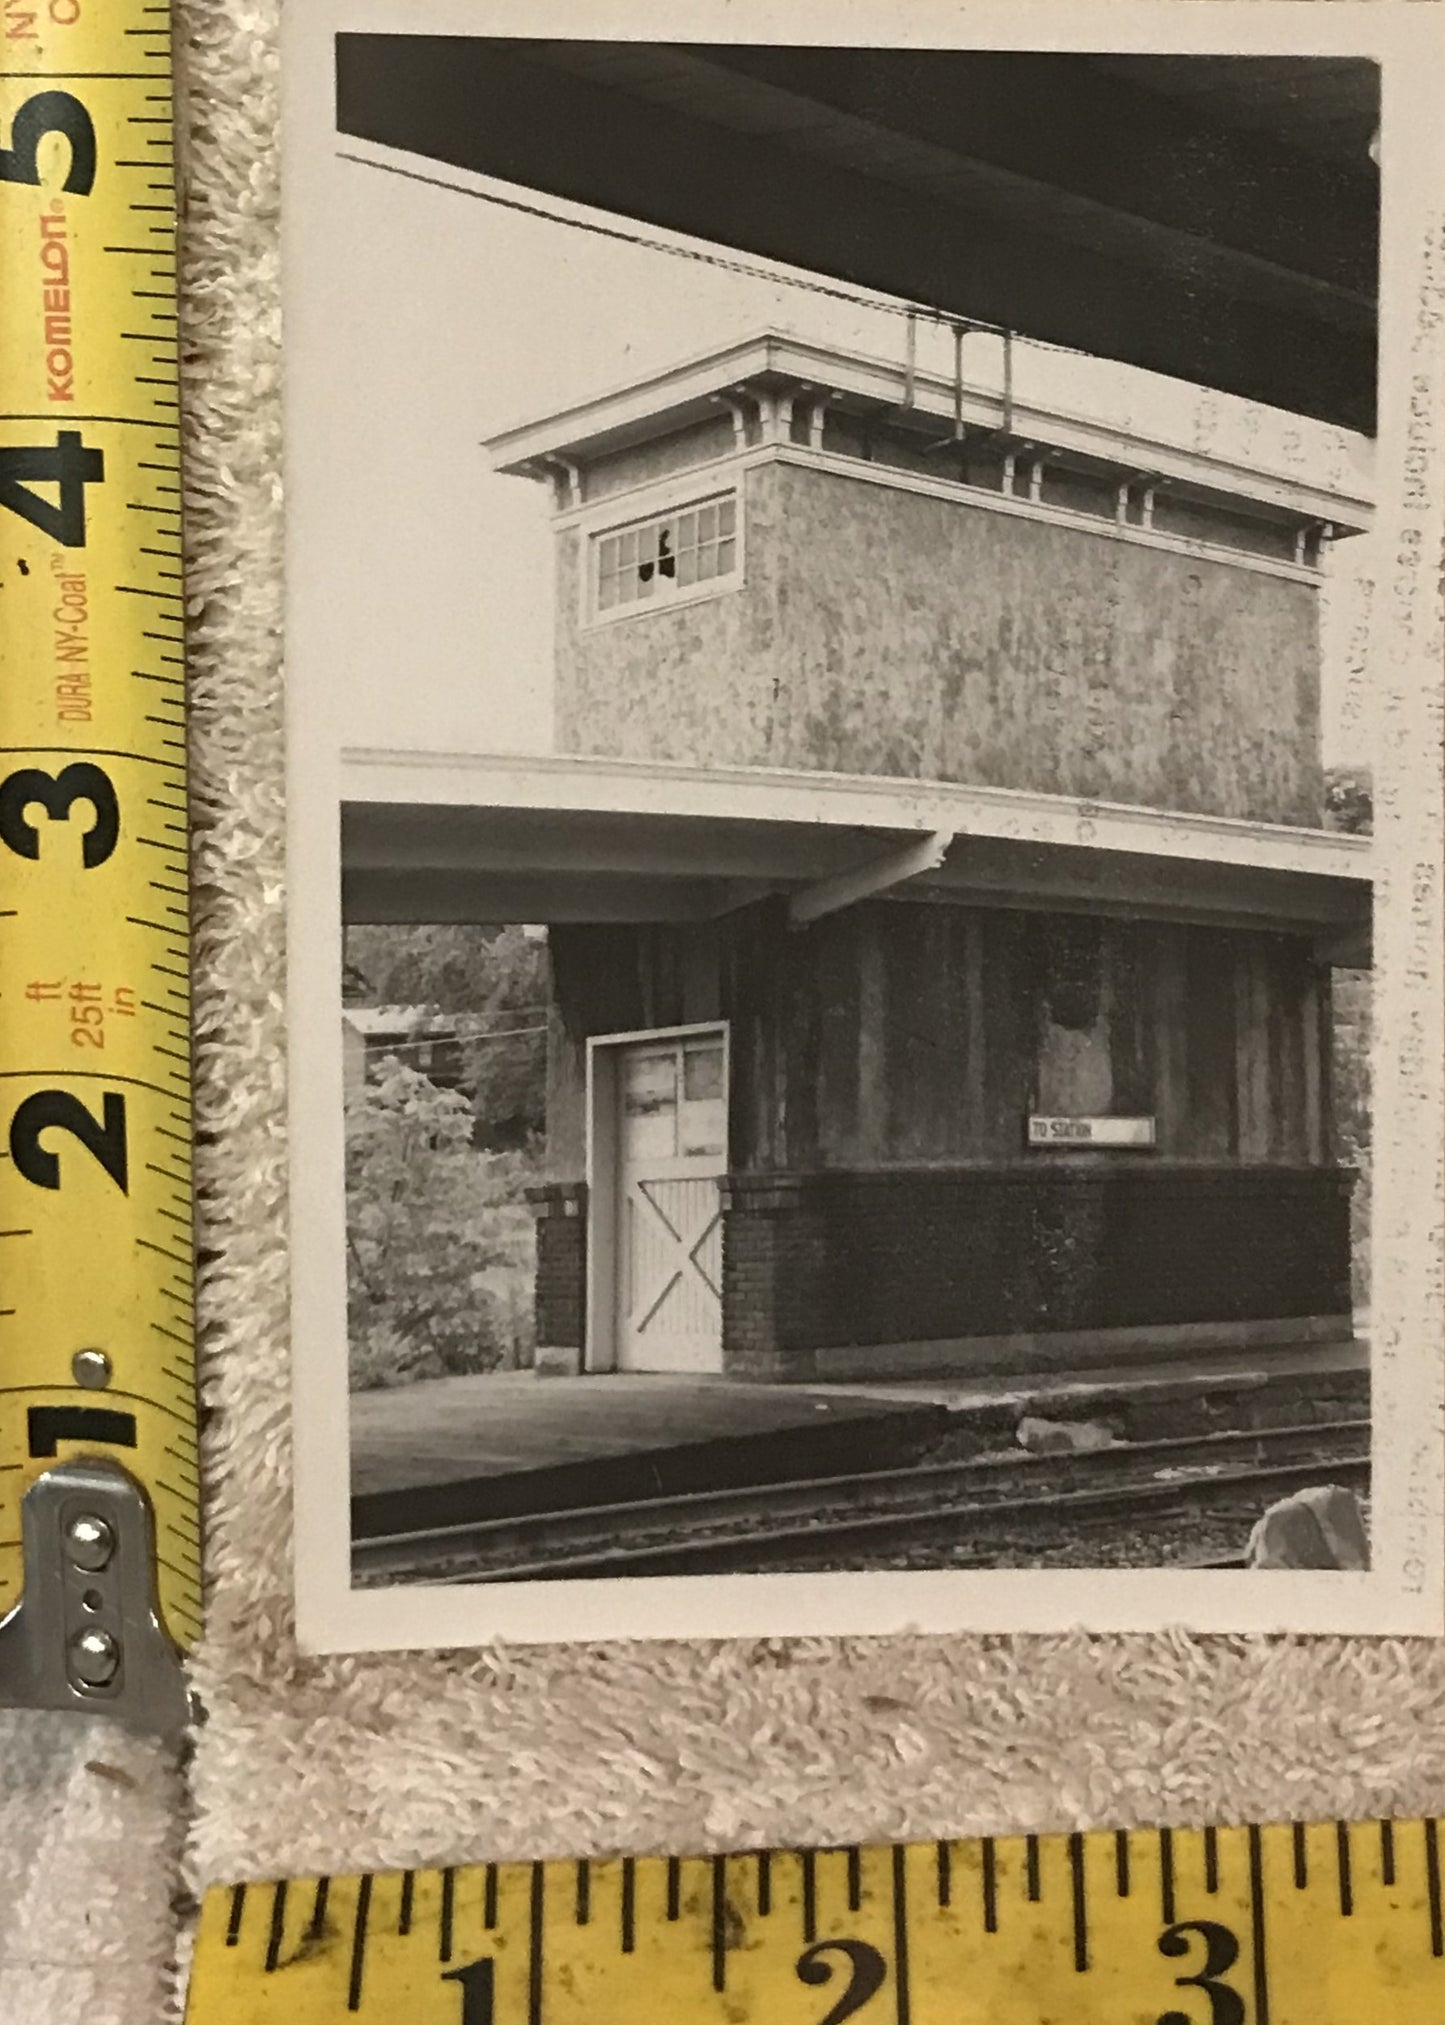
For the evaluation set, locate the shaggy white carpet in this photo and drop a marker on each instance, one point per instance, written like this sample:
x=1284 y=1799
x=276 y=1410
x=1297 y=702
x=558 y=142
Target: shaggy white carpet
x=511 y=1754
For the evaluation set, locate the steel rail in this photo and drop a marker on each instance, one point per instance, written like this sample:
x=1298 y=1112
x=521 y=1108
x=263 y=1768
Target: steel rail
x=763 y=1548
x=704 y=1526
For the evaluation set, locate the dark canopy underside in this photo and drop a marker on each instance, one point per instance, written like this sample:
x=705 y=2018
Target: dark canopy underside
x=1214 y=218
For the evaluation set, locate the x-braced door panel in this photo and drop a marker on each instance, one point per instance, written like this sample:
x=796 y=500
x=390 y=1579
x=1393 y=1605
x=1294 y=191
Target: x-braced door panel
x=671 y=1141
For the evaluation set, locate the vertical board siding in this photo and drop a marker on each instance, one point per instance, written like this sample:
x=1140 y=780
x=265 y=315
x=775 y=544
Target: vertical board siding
x=814 y=1043
x=1296 y=1135
x=1134 y=1034
x=973 y=1083
x=1010 y=1026
x=1167 y=1016
x=1211 y=1108
x=898 y=1033
x=1251 y=1044
x=878 y=1036
x=935 y=1086
x=566 y=1101
x=1316 y=1048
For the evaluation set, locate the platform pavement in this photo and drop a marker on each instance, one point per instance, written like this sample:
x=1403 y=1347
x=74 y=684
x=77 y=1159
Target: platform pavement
x=1180 y=1371
x=508 y=1422
x=638 y=1431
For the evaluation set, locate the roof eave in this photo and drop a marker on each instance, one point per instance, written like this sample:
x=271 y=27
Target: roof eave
x=691 y=390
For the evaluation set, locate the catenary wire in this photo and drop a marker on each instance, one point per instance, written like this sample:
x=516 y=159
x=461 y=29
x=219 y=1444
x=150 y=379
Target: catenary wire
x=858 y=297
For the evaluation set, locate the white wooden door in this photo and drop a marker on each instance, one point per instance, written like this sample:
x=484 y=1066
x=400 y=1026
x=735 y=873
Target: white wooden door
x=672 y=1153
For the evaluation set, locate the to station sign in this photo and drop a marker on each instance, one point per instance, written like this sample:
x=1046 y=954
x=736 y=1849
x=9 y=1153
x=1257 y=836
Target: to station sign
x=1092 y=1132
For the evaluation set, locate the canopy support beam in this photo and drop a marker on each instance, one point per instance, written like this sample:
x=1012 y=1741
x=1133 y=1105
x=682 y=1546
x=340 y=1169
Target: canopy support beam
x=827 y=896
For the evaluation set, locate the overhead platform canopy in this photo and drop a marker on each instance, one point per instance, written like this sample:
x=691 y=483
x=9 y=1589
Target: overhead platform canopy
x=1210 y=217
x=431 y=838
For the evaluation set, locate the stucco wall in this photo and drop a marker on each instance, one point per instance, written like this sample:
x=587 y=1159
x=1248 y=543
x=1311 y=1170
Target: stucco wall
x=884 y=632
x=697 y=682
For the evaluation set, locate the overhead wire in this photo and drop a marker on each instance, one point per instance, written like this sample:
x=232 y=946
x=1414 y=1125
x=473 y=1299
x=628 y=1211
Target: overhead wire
x=452 y=1037
x=856 y=296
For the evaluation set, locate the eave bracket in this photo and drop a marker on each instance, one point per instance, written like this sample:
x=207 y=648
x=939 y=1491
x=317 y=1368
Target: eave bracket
x=842 y=889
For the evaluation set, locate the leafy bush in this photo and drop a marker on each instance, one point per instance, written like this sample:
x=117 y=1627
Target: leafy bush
x=438 y=1237
x=490 y=986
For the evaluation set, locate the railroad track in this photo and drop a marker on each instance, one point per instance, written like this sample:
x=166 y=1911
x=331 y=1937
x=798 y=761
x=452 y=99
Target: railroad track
x=977 y=1505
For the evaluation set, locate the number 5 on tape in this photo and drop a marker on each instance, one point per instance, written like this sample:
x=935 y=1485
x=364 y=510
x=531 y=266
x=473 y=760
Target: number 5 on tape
x=99 y=1495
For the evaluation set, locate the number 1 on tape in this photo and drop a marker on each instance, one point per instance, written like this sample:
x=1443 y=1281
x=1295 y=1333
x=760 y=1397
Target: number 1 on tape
x=99 y=1505
x=1333 y=1923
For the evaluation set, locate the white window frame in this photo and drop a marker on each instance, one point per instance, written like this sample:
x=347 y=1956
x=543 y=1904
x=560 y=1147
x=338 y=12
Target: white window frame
x=669 y=509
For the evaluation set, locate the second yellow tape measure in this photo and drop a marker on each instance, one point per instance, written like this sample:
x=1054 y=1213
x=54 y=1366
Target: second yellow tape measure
x=1330 y=1924
x=99 y=1506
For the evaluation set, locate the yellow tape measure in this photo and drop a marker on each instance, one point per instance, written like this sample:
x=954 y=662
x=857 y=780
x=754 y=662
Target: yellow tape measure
x=1330 y=1924
x=99 y=1569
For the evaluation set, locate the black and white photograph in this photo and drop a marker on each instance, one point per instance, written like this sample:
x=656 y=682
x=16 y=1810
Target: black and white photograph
x=859 y=739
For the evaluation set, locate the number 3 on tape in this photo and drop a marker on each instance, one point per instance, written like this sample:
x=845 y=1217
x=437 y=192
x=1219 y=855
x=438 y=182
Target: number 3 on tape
x=1334 y=1923
x=99 y=1493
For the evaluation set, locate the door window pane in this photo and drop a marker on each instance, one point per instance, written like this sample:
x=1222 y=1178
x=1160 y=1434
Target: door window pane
x=649 y=1103
x=702 y=1069
x=702 y=1121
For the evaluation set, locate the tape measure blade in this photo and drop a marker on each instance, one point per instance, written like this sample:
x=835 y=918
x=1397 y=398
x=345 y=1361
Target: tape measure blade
x=1325 y=1925
x=97 y=1353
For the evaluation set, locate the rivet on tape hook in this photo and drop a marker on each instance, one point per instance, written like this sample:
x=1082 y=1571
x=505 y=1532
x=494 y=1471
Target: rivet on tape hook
x=86 y=1634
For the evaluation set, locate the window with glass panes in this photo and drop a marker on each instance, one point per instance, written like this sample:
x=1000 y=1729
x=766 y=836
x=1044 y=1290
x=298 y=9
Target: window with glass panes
x=658 y=558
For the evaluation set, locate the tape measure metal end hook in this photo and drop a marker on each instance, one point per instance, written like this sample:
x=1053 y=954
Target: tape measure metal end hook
x=100 y=1519
x=87 y=1635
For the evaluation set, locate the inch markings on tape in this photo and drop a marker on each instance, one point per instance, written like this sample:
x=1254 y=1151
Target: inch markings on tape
x=1333 y=1923
x=99 y=1497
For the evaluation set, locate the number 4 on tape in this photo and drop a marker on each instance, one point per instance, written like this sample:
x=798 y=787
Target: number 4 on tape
x=70 y=467
x=100 y=1556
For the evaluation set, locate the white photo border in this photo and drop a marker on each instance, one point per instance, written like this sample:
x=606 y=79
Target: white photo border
x=1405 y=1591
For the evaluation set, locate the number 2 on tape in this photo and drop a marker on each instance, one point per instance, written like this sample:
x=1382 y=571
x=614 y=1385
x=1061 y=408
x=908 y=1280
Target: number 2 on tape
x=104 y=1138
x=69 y=465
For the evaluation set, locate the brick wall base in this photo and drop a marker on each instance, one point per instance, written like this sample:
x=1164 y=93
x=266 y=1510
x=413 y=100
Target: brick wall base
x=560 y=1297
x=820 y=1268
x=890 y=1257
